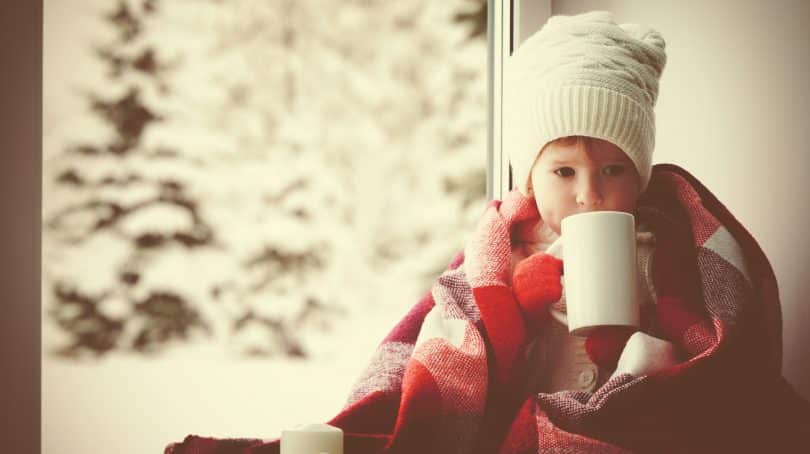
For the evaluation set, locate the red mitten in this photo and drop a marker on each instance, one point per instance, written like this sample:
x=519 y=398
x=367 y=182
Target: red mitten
x=536 y=284
x=605 y=344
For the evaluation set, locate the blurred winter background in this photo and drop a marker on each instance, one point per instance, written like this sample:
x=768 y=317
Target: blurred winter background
x=241 y=197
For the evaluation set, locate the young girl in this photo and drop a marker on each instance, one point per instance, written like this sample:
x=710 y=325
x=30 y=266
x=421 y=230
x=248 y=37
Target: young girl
x=580 y=97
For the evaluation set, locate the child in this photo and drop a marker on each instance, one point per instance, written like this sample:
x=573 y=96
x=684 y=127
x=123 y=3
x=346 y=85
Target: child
x=480 y=365
x=581 y=125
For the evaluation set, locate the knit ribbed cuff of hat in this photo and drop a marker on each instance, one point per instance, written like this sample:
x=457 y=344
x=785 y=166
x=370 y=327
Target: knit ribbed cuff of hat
x=582 y=110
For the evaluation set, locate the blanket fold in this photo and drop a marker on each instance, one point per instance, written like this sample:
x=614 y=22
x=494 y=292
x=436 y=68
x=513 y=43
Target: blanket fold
x=449 y=377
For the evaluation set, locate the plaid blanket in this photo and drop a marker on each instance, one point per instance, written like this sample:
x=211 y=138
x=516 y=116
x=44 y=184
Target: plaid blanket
x=449 y=376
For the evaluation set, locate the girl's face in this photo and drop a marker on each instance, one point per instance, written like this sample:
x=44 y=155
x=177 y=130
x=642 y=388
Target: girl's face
x=580 y=174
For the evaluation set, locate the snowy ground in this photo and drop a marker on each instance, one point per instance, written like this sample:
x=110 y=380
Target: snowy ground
x=131 y=405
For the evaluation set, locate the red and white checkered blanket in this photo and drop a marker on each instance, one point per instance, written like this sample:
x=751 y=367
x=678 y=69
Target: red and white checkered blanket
x=449 y=377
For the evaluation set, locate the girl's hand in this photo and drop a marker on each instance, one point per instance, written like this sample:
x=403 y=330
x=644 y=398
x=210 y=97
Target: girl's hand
x=536 y=283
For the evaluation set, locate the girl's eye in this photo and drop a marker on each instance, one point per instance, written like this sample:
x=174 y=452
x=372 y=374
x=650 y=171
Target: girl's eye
x=565 y=172
x=614 y=170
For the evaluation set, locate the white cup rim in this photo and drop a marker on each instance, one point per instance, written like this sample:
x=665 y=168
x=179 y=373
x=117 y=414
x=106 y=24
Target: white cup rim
x=597 y=213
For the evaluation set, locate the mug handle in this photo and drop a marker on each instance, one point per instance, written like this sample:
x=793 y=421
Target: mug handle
x=556 y=250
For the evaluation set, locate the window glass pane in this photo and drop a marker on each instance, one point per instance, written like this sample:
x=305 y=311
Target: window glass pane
x=233 y=188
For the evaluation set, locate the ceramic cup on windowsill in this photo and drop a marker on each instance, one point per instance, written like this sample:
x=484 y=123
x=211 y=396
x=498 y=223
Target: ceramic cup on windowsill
x=312 y=439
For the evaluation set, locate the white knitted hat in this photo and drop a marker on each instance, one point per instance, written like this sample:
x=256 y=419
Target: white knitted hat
x=583 y=75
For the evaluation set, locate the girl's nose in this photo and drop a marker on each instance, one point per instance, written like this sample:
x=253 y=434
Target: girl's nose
x=589 y=194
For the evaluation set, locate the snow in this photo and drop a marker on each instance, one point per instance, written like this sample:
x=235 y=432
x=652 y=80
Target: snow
x=130 y=404
x=306 y=159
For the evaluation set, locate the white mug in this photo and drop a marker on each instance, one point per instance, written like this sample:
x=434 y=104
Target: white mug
x=598 y=250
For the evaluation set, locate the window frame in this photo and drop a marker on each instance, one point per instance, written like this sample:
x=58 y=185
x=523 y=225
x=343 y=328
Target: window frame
x=509 y=23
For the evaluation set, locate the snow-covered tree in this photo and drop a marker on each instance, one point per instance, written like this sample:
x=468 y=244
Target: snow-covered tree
x=255 y=173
